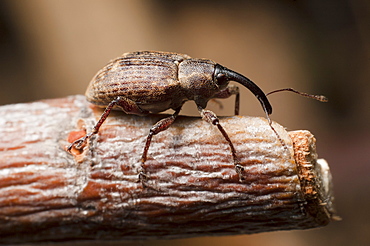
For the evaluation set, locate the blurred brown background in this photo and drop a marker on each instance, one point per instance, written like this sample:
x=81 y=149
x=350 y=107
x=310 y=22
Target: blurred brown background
x=52 y=48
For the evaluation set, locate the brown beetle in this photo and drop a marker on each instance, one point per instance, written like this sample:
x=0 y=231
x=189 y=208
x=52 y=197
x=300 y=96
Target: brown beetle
x=147 y=82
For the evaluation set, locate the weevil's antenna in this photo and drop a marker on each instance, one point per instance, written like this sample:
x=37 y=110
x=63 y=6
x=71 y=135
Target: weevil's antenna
x=320 y=98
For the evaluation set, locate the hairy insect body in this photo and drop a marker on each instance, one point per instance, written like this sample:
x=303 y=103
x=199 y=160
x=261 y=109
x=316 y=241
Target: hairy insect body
x=150 y=82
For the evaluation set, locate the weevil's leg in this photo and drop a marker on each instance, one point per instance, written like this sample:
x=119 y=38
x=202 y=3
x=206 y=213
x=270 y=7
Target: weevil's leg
x=127 y=105
x=234 y=90
x=160 y=126
x=229 y=91
x=211 y=118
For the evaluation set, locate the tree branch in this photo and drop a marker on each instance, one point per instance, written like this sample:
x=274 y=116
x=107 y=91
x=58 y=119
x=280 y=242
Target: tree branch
x=48 y=194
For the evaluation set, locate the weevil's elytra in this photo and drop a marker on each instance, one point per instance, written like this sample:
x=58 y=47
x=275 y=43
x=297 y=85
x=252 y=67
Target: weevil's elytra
x=148 y=82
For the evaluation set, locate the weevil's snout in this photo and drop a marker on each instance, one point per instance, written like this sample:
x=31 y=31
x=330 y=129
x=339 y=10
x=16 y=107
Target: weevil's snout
x=223 y=75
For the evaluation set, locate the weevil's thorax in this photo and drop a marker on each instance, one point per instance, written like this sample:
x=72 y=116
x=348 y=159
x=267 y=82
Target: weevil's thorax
x=196 y=77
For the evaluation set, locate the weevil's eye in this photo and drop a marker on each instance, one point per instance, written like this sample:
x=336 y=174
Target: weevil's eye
x=221 y=79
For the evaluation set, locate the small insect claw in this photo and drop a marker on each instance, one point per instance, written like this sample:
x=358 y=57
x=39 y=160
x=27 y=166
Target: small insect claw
x=143 y=178
x=69 y=149
x=78 y=144
x=239 y=169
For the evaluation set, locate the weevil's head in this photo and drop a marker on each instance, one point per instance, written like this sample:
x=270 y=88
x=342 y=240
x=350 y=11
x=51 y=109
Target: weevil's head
x=222 y=77
x=201 y=79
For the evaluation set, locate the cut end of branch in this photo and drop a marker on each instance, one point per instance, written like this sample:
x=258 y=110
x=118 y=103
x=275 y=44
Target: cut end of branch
x=315 y=177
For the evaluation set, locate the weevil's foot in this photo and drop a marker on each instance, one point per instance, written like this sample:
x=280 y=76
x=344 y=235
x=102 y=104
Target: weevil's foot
x=143 y=179
x=78 y=144
x=239 y=170
x=241 y=178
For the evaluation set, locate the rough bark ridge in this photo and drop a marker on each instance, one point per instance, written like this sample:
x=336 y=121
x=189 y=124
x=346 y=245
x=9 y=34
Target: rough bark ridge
x=48 y=194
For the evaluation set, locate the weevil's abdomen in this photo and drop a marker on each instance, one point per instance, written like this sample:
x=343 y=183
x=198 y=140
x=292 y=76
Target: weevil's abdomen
x=148 y=78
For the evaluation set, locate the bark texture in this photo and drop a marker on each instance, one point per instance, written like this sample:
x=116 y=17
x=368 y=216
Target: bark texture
x=48 y=194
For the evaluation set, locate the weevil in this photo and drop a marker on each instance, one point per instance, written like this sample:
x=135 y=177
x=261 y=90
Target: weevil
x=148 y=82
